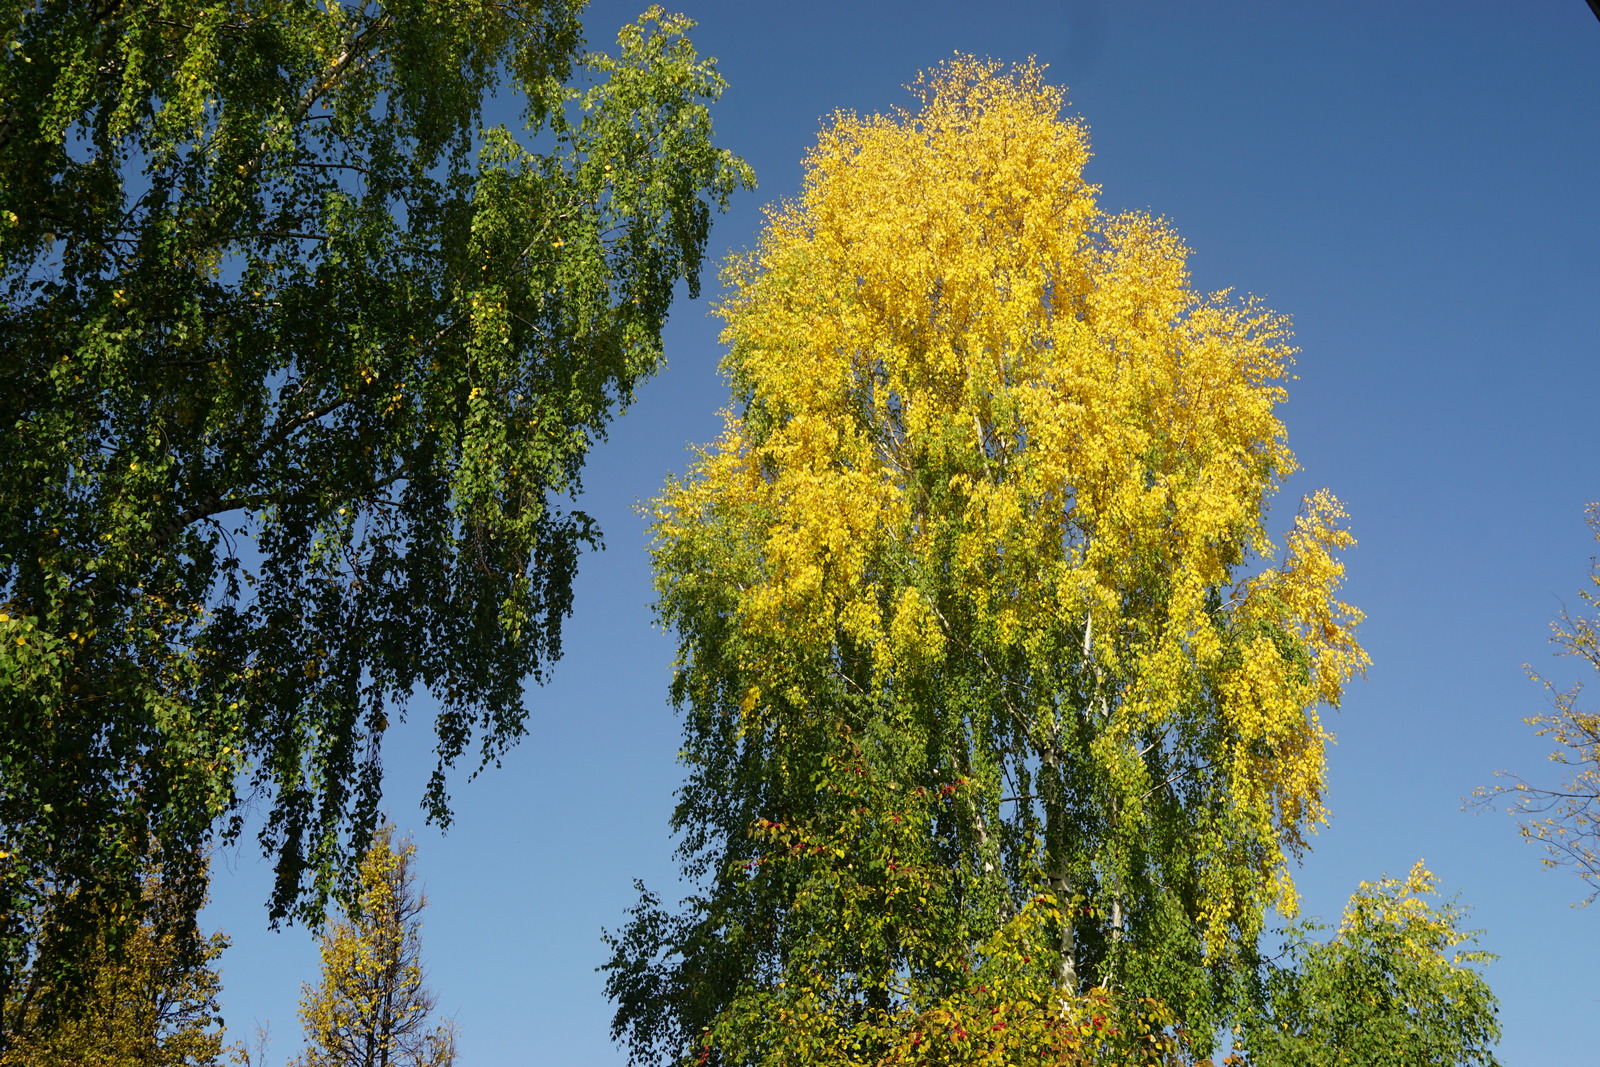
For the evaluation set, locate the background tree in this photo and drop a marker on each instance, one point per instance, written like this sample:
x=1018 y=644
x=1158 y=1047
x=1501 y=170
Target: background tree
x=372 y=1008
x=150 y=999
x=1566 y=819
x=999 y=704
x=299 y=363
x=1391 y=987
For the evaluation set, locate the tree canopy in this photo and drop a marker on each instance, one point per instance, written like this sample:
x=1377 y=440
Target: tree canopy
x=301 y=362
x=1000 y=707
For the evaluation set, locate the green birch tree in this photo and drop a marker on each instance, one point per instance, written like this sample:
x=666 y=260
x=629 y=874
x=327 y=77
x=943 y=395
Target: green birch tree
x=299 y=363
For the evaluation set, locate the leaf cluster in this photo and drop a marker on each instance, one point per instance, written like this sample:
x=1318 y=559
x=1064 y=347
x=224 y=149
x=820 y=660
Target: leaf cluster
x=1393 y=986
x=151 y=998
x=1565 y=818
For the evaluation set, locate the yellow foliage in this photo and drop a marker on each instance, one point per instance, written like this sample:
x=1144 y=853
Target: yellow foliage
x=372 y=1006
x=151 y=1001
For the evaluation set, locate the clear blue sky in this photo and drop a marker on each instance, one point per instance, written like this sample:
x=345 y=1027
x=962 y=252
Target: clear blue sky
x=1417 y=184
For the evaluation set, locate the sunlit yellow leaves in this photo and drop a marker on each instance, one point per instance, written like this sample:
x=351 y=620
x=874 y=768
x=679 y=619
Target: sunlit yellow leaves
x=1399 y=903
x=945 y=300
x=372 y=1006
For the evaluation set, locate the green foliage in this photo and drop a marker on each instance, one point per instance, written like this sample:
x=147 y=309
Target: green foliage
x=1390 y=989
x=371 y=1007
x=300 y=362
x=881 y=962
x=150 y=999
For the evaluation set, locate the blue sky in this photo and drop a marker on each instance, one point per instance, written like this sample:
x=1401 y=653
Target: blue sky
x=1417 y=184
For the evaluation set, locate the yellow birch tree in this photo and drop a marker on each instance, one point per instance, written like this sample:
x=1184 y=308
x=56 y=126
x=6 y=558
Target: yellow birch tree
x=1001 y=708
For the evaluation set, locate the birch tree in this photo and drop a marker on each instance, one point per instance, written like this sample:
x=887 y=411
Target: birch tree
x=1001 y=709
x=301 y=365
